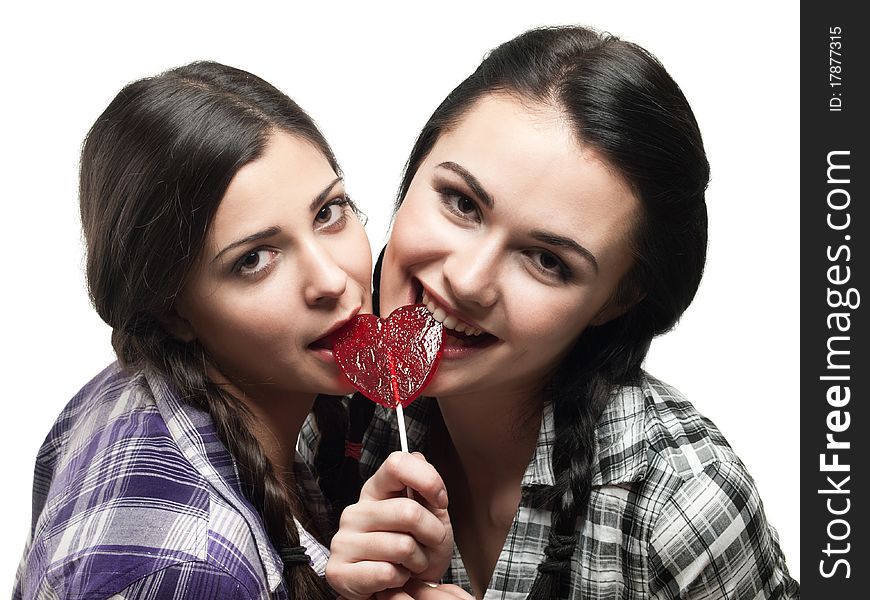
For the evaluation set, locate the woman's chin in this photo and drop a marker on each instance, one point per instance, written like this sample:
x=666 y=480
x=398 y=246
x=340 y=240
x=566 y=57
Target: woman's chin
x=446 y=382
x=338 y=386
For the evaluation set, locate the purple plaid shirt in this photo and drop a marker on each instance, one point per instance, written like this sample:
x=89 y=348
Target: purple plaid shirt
x=134 y=496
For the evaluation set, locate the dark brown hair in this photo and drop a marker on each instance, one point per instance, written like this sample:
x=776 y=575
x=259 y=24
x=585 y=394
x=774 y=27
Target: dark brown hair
x=154 y=169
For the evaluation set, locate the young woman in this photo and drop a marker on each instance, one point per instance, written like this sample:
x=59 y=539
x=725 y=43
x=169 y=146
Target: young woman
x=552 y=216
x=222 y=250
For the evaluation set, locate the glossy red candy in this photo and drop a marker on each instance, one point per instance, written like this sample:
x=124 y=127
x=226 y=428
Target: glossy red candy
x=390 y=360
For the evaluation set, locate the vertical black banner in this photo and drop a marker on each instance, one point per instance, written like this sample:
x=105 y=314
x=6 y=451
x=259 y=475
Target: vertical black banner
x=835 y=368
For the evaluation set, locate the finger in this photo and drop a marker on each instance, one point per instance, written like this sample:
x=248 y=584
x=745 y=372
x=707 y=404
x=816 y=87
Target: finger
x=455 y=591
x=360 y=580
x=395 y=594
x=398 y=548
x=402 y=470
x=421 y=590
x=399 y=515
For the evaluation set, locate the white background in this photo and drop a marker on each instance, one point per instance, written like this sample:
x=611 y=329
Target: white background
x=371 y=74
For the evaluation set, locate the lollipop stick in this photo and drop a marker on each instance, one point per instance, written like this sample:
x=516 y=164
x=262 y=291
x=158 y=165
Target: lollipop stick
x=403 y=436
x=400 y=412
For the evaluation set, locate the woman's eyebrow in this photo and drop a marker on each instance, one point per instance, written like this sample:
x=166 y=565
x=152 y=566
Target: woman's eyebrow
x=561 y=241
x=315 y=204
x=471 y=181
x=275 y=230
x=265 y=233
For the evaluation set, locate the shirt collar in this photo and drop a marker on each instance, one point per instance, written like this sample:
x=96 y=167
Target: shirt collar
x=621 y=455
x=540 y=469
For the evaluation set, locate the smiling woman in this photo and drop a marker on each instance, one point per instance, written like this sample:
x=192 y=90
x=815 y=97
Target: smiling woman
x=223 y=251
x=554 y=204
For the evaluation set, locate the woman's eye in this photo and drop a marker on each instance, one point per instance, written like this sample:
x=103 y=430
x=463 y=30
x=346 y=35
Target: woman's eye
x=549 y=264
x=548 y=261
x=459 y=204
x=256 y=262
x=332 y=214
x=464 y=205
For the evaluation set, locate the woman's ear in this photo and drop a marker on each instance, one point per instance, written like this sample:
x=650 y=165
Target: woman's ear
x=177 y=326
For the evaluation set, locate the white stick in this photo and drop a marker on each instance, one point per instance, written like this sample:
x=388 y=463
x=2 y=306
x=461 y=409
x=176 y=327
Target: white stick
x=403 y=438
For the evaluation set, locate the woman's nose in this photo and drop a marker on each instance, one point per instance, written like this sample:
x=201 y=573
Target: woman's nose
x=324 y=279
x=471 y=273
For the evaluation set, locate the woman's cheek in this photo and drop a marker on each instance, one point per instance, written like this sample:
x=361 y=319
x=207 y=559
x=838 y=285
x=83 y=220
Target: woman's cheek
x=355 y=258
x=541 y=313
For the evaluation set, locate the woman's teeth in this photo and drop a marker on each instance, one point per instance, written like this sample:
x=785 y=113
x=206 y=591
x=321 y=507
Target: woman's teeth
x=449 y=321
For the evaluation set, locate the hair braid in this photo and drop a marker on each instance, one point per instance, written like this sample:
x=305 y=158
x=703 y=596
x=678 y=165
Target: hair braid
x=260 y=485
x=577 y=405
x=360 y=413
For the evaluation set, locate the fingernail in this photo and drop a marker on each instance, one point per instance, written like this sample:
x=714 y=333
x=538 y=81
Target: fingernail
x=442 y=498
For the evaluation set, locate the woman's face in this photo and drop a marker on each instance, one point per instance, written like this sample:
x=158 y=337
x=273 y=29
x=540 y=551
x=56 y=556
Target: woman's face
x=513 y=228
x=285 y=262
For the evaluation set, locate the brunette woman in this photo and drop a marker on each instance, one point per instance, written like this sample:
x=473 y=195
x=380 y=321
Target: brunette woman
x=552 y=216
x=222 y=249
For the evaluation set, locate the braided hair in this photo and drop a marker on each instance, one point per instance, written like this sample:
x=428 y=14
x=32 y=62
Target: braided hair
x=154 y=168
x=621 y=102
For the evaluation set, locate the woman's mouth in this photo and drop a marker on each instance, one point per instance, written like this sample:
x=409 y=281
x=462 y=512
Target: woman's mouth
x=324 y=344
x=459 y=334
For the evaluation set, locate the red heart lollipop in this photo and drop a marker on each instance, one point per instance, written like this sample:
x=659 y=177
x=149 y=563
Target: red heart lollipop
x=390 y=360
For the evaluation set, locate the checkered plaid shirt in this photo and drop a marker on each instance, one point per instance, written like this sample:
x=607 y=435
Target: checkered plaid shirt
x=135 y=497
x=673 y=512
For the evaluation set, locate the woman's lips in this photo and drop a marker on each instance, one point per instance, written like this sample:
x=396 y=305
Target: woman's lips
x=327 y=341
x=324 y=343
x=322 y=348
